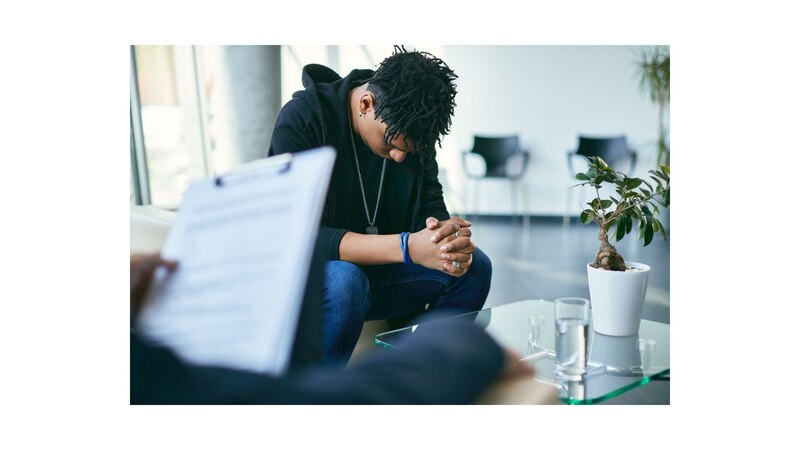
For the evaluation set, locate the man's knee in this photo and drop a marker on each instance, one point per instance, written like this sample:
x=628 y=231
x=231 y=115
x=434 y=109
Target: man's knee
x=346 y=287
x=479 y=279
x=481 y=265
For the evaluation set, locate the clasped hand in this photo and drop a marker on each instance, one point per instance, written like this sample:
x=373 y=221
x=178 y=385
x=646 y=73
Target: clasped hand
x=441 y=244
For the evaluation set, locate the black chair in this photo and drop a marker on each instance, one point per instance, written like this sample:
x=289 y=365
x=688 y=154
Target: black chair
x=613 y=150
x=504 y=158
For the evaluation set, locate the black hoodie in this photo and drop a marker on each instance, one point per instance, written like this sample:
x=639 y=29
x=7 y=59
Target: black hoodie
x=317 y=116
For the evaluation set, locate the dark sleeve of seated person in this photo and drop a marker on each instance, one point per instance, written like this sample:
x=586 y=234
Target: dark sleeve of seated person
x=451 y=363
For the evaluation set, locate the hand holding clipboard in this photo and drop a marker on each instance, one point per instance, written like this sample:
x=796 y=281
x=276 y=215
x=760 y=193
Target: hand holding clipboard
x=244 y=242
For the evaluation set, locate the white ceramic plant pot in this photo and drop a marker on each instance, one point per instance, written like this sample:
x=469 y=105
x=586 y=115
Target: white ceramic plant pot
x=617 y=299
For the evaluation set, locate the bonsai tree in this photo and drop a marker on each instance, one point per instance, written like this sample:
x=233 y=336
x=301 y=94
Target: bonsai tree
x=636 y=200
x=652 y=69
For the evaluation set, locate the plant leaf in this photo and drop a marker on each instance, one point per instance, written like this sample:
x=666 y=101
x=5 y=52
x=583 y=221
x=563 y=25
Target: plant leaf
x=633 y=183
x=620 y=230
x=648 y=234
x=661 y=229
x=658 y=182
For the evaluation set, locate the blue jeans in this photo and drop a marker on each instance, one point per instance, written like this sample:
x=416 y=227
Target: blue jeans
x=353 y=294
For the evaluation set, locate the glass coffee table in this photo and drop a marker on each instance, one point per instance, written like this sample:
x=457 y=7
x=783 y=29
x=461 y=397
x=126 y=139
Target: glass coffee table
x=616 y=365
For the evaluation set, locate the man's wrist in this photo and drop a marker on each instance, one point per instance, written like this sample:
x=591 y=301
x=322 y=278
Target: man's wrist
x=408 y=246
x=404 y=238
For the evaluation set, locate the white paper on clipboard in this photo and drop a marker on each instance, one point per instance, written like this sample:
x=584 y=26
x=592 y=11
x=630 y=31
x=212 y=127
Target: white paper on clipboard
x=244 y=242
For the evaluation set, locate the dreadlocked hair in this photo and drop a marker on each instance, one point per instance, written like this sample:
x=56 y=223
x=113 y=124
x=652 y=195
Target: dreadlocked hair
x=414 y=95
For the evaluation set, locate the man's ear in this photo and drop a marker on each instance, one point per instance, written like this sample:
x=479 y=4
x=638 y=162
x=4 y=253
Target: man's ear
x=367 y=102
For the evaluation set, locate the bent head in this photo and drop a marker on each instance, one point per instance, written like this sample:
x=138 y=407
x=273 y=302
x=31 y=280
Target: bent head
x=373 y=133
x=414 y=99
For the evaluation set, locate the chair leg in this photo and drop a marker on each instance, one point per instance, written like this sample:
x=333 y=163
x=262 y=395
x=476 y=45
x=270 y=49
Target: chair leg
x=525 y=217
x=476 y=199
x=565 y=222
x=513 y=189
x=469 y=190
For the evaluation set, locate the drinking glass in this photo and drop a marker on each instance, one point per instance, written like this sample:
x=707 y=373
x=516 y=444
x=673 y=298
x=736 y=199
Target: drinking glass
x=572 y=326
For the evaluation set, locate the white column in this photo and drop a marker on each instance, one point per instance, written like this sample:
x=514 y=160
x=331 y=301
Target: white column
x=245 y=104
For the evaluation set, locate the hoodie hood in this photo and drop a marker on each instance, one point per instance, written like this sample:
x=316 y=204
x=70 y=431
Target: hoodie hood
x=327 y=93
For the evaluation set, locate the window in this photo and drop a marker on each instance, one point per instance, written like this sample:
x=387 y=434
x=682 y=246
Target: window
x=170 y=119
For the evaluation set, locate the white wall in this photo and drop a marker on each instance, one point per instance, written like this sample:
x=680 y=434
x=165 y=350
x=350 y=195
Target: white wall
x=548 y=95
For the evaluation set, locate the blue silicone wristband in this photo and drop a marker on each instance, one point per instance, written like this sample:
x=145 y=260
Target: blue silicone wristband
x=403 y=245
x=406 y=256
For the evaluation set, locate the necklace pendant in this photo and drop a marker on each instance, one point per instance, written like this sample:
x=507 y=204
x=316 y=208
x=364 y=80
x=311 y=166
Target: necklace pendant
x=372 y=230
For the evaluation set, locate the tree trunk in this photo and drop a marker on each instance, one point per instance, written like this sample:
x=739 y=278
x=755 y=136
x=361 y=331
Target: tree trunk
x=607 y=258
x=663 y=157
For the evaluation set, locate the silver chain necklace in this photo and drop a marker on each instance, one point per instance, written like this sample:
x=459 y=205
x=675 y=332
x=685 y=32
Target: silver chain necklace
x=371 y=229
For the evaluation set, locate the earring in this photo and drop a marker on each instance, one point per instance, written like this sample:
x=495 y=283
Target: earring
x=361 y=114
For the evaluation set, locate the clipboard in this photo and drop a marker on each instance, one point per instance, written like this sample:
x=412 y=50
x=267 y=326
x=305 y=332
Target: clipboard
x=244 y=241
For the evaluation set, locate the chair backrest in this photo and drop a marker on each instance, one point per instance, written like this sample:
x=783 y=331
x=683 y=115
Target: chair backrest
x=495 y=151
x=611 y=149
